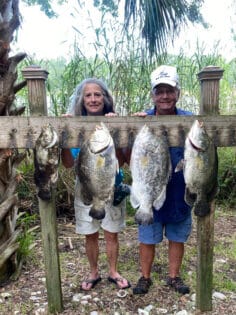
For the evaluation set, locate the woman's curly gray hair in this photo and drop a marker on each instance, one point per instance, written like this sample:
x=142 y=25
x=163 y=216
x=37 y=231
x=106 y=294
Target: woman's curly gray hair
x=76 y=105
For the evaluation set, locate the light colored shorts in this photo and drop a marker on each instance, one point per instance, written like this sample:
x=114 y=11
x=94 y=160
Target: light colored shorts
x=113 y=222
x=176 y=232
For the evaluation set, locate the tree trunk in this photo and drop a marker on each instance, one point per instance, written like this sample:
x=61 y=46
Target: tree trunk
x=9 y=158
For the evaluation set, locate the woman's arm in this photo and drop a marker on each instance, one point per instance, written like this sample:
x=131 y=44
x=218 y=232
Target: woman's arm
x=67 y=158
x=123 y=155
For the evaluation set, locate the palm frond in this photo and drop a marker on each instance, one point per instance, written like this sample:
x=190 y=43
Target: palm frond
x=160 y=20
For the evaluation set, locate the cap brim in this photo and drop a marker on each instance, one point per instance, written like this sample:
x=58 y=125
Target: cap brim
x=164 y=81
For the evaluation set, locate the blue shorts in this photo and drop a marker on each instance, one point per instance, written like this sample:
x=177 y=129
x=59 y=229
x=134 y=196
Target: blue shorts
x=176 y=232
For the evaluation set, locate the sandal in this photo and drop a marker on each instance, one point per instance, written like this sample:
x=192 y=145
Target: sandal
x=116 y=280
x=93 y=283
x=142 y=286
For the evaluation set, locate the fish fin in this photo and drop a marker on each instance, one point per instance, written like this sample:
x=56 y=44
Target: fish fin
x=180 y=166
x=158 y=202
x=117 y=167
x=85 y=196
x=134 y=201
x=189 y=197
x=144 y=218
x=54 y=140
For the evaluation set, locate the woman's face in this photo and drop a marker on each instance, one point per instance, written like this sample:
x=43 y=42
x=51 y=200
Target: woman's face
x=93 y=99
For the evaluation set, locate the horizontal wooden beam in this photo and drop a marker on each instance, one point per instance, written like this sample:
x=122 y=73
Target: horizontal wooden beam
x=22 y=132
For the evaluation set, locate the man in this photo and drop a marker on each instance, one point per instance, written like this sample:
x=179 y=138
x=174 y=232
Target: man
x=174 y=218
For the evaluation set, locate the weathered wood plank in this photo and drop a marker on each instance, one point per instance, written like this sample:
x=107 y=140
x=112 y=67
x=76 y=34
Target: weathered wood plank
x=209 y=105
x=51 y=256
x=205 y=239
x=22 y=132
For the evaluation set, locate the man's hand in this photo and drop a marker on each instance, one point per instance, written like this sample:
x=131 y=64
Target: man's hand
x=140 y=114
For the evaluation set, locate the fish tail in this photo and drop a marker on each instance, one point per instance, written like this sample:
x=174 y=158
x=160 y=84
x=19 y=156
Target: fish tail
x=97 y=214
x=144 y=218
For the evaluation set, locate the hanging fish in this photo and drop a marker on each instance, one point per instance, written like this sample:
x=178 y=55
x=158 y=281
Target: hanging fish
x=200 y=168
x=150 y=167
x=96 y=168
x=46 y=161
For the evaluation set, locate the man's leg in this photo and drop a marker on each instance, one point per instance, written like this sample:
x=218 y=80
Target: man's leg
x=112 y=250
x=146 y=254
x=176 y=254
x=177 y=234
x=149 y=236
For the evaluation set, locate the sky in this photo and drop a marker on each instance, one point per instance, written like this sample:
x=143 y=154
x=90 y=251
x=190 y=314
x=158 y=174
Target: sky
x=51 y=38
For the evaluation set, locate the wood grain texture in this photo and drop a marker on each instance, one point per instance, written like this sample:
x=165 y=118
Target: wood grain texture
x=22 y=132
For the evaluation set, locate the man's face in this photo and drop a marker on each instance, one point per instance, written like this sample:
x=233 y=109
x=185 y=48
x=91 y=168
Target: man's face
x=165 y=97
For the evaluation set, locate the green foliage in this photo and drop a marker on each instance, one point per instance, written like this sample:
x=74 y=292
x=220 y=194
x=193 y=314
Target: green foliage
x=45 y=6
x=227 y=176
x=27 y=237
x=24 y=188
x=221 y=280
x=130 y=212
x=27 y=216
x=107 y=6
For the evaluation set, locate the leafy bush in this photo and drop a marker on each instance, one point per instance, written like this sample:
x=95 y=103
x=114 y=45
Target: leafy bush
x=227 y=176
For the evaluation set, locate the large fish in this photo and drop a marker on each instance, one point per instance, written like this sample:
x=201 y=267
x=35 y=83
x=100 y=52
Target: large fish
x=150 y=167
x=46 y=161
x=200 y=169
x=96 y=168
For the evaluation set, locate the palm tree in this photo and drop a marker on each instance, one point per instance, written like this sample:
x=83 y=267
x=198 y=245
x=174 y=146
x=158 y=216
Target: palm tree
x=9 y=158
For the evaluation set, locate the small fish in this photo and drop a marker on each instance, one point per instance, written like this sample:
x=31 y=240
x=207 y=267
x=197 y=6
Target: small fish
x=46 y=161
x=200 y=168
x=96 y=168
x=150 y=167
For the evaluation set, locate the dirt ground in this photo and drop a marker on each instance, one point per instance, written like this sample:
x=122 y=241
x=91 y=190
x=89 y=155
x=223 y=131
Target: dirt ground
x=28 y=295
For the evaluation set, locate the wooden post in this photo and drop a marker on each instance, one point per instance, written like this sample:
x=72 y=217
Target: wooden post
x=209 y=78
x=36 y=77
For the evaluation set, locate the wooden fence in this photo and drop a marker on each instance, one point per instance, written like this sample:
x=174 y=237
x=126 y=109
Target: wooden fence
x=22 y=132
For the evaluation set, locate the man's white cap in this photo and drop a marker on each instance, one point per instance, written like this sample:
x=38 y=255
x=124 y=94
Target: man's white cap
x=165 y=75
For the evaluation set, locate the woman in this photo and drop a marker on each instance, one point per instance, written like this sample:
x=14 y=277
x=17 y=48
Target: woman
x=92 y=98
